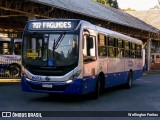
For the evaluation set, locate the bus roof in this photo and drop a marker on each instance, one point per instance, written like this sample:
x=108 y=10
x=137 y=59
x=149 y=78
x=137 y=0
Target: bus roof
x=118 y=35
x=70 y=24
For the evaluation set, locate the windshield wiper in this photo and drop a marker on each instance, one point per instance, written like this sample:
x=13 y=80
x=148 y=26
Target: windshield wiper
x=57 y=42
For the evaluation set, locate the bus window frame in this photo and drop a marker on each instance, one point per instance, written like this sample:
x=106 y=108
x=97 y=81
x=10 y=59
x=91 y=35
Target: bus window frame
x=105 y=46
x=120 y=48
x=83 y=46
x=138 y=52
x=127 y=49
x=113 y=47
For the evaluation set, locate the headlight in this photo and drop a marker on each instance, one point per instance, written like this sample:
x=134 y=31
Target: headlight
x=69 y=81
x=24 y=74
x=75 y=75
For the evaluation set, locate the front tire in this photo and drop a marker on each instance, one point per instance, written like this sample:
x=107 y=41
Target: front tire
x=129 y=83
x=96 y=93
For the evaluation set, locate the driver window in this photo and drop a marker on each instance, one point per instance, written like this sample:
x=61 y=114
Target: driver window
x=89 y=48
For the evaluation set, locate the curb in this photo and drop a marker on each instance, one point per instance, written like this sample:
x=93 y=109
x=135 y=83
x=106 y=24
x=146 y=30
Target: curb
x=151 y=72
x=10 y=80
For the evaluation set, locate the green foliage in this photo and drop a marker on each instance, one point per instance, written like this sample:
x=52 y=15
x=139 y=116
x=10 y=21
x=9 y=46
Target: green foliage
x=128 y=9
x=112 y=3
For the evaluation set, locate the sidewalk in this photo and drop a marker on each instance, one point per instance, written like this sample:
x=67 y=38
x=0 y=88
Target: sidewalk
x=151 y=72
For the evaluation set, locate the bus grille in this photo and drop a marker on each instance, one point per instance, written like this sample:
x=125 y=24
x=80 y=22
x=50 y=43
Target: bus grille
x=55 y=88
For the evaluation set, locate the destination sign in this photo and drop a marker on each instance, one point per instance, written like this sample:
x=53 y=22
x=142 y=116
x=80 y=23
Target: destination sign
x=52 y=25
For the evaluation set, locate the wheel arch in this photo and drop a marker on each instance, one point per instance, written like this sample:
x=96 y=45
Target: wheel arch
x=17 y=65
x=101 y=78
x=130 y=73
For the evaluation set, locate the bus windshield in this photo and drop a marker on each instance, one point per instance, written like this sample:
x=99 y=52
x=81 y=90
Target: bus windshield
x=50 y=49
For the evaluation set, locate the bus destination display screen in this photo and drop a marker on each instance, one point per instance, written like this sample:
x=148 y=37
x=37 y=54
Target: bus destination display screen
x=52 y=25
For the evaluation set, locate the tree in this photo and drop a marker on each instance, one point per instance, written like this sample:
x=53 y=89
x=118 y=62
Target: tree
x=112 y=3
x=128 y=9
x=156 y=6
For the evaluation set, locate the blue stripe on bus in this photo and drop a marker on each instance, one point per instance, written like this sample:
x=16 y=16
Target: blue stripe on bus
x=79 y=86
x=111 y=80
x=114 y=79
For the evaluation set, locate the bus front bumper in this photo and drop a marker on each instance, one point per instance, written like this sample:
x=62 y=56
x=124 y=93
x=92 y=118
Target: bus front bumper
x=77 y=86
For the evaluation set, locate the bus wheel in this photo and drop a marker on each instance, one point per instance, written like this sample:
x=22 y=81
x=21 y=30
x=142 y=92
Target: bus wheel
x=129 y=83
x=96 y=93
x=14 y=71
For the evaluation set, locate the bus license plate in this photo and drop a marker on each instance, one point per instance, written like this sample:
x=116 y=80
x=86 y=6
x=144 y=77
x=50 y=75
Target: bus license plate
x=46 y=86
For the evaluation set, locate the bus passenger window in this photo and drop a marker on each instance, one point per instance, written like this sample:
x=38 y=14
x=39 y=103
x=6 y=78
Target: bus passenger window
x=102 y=45
x=111 y=47
x=138 y=51
x=6 y=47
x=157 y=59
x=120 y=51
x=133 y=50
x=17 y=49
x=89 y=48
x=127 y=49
x=111 y=52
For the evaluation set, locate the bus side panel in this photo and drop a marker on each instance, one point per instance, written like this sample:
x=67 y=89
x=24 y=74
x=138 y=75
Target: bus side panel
x=114 y=79
x=115 y=65
x=90 y=78
x=116 y=74
x=137 y=74
x=136 y=65
x=116 y=70
x=89 y=84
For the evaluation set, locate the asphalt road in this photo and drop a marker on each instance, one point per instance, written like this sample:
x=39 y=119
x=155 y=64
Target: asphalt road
x=143 y=96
